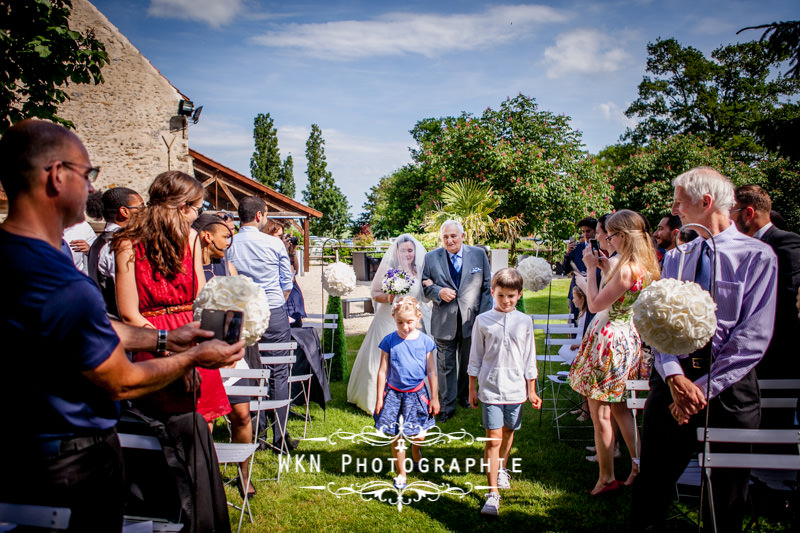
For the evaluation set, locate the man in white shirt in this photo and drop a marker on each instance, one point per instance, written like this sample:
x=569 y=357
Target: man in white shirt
x=264 y=258
x=80 y=237
x=119 y=204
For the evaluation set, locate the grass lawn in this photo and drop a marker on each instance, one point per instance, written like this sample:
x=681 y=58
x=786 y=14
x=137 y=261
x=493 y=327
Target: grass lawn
x=547 y=495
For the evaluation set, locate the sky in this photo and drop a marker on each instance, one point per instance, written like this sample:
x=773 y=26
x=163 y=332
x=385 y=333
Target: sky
x=366 y=72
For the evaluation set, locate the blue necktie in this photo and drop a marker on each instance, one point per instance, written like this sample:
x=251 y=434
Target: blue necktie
x=702 y=275
x=457 y=263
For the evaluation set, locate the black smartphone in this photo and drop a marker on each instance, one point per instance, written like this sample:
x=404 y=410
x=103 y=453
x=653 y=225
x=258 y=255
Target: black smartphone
x=595 y=246
x=226 y=325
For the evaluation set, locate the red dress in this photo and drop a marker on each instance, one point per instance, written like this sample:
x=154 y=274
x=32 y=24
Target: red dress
x=155 y=294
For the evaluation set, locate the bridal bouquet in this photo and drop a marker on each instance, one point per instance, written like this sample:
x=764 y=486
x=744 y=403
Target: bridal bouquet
x=397 y=281
x=338 y=279
x=237 y=293
x=675 y=317
x=536 y=273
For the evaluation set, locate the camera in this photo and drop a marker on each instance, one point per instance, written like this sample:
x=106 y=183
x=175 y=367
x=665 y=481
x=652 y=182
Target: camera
x=226 y=325
x=291 y=239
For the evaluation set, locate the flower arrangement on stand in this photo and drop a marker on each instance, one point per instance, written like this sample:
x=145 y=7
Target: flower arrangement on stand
x=675 y=317
x=236 y=293
x=338 y=279
x=536 y=273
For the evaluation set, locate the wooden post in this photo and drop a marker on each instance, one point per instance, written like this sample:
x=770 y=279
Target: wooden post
x=306 y=246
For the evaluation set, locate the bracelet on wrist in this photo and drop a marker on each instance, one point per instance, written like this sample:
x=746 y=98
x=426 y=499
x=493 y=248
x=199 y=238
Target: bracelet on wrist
x=161 y=342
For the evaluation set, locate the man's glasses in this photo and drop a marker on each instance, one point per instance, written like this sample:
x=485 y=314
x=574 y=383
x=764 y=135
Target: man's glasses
x=90 y=173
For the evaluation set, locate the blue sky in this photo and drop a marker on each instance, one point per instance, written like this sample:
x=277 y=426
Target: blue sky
x=367 y=71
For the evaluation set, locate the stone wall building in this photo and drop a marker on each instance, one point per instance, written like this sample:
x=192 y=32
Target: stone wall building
x=125 y=121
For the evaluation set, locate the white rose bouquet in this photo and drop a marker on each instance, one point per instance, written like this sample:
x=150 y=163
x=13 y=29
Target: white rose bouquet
x=536 y=273
x=397 y=281
x=238 y=293
x=675 y=317
x=338 y=279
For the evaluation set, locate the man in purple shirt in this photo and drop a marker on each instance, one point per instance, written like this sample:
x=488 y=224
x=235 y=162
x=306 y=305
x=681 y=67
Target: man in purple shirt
x=746 y=273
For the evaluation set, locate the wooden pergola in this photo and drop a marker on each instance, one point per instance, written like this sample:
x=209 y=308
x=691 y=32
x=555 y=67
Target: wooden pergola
x=225 y=187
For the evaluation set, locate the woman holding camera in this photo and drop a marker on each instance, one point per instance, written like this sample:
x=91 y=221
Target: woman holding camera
x=610 y=352
x=159 y=271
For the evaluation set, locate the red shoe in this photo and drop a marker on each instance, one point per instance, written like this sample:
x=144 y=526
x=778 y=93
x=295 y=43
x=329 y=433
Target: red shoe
x=610 y=487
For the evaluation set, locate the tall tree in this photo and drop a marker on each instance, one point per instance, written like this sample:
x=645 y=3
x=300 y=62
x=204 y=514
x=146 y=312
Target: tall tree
x=722 y=100
x=321 y=192
x=265 y=163
x=286 y=178
x=41 y=56
x=783 y=42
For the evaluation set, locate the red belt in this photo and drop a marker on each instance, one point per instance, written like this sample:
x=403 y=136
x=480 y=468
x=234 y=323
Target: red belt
x=168 y=310
x=415 y=389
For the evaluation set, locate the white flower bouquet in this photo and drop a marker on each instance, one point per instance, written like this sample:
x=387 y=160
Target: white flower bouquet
x=536 y=273
x=338 y=279
x=237 y=293
x=397 y=281
x=675 y=317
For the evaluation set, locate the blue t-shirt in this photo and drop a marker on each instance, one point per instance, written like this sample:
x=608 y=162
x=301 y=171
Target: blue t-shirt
x=53 y=326
x=407 y=359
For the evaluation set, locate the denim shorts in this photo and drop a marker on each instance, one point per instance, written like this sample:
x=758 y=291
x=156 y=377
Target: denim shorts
x=498 y=415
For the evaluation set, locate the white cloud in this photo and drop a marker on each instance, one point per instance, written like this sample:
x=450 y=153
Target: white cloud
x=215 y=13
x=613 y=112
x=584 y=51
x=411 y=33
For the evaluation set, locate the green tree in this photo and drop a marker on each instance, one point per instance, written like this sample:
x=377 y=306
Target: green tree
x=531 y=158
x=398 y=203
x=468 y=202
x=644 y=183
x=722 y=99
x=321 y=192
x=782 y=40
x=265 y=163
x=41 y=56
x=286 y=178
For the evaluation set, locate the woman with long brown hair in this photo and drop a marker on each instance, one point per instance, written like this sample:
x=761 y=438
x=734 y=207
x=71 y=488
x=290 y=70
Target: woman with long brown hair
x=610 y=352
x=159 y=273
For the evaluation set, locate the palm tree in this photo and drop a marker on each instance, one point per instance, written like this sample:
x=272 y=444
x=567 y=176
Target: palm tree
x=468 y=202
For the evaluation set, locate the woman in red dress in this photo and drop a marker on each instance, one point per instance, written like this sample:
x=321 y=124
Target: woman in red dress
x=159 y=273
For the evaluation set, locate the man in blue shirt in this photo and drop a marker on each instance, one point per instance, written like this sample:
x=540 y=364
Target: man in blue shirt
x=63 y=360
x=264 y=258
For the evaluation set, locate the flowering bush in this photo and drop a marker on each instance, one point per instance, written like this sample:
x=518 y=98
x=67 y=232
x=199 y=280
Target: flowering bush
x=397 y=281
x=237 y=293
x=536 y=273
x=338 y=279
x=675 y=317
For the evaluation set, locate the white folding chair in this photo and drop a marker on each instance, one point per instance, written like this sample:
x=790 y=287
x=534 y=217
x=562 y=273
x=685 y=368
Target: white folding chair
x=709 y=460
x=329 y=321
x=635 y=404
x=279 y=360
x=305 y=383
x=54 y=518
x=234 y=452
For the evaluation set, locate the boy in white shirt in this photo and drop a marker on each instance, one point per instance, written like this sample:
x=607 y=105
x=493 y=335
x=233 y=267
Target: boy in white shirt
x=502 y=363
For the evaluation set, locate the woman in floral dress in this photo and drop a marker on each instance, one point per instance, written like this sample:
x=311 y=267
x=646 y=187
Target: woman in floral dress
x=610 y=352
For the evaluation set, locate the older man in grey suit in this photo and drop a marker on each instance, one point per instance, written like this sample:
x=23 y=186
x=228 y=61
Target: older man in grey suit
x=457 y=279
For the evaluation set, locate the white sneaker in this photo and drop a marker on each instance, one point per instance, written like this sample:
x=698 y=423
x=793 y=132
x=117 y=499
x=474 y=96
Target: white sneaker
x=492 y=505
x=400 y=482
x=593 y=458
x=503 y=479
x=592 y=449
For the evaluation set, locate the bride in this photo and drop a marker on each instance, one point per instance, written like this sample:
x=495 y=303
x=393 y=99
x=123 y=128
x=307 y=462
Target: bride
x=406 y=253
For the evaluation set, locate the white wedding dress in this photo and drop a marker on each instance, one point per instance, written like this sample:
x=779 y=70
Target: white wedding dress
x=363 y=384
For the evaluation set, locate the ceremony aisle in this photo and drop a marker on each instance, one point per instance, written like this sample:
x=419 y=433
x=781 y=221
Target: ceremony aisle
x=547 y=495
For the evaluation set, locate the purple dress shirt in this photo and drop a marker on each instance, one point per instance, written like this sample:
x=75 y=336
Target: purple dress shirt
x=746 y=274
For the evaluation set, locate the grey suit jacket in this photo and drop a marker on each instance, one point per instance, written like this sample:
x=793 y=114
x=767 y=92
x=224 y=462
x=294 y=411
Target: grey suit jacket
x=474 y=293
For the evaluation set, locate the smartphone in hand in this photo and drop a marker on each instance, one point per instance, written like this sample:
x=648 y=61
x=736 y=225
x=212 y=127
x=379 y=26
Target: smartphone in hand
x=226 y=325
x=595 y=246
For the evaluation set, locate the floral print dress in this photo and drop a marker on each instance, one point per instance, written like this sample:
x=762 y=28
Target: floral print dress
x=611 y=351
